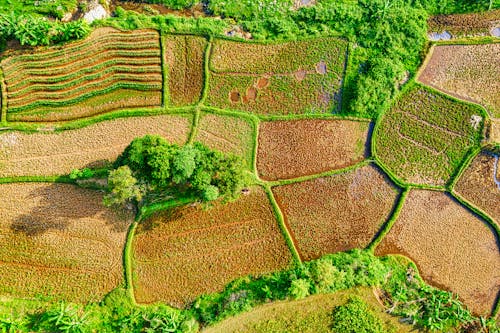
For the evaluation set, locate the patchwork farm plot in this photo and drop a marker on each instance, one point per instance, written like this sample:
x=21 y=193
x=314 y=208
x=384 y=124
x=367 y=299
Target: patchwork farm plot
x=469 y=72
x=425 y=136
x=46 y=154
x=452 y=247
x=463 y=25
x=282 y=78
x=182 y=253
x=336 y=213
x=58 y=240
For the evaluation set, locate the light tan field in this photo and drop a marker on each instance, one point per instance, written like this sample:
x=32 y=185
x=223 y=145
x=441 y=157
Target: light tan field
x=58 y=153
x=453 y=249
x=57 y=240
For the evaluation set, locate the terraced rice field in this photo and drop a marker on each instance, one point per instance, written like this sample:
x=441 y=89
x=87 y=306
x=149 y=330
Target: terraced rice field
x=227 y=134
x=58 y=240
x=185 y=66
x=425 y=136
x=182 y=253
x=289 y=149
x=469 y=72
x=480 y=184
x=45 y=154
x=453 y=248
x=462 y=25
x=336 y=213
x=283 y=78
x=107 y=71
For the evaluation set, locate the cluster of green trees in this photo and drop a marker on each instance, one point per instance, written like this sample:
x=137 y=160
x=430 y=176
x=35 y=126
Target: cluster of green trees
x=356 y=317
x=151 y=167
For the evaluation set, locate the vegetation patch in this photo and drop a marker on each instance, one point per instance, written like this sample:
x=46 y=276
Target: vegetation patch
x=107 y=71
x=336 y=213
x=57 y=153
x=294 y=148
x=185 y=65
x=227 y=134
x=425 y=136
x=57 y=240
x=453 y=248
x=466 y=71
x=480 y=184
x=280 y=78
x=182 y=253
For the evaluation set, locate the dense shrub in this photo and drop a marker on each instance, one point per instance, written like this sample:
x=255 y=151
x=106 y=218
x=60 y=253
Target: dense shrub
x=356 y=317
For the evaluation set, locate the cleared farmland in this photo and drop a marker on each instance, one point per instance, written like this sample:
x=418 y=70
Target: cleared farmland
x=227 y=134
x=289 y=149
x=453 y=248
x=462 y=25
x=58 y=153
x=425 y=136
x=469 y=72
x=57 y=240
x=336 y=213
x=282 y=78
x=182 y=253
x=185 y=66
x=107 y=71
x=480 y=184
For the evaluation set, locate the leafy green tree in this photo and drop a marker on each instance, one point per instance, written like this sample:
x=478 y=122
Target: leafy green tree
x=123 y=187
x=356 y=317
x=299 y=288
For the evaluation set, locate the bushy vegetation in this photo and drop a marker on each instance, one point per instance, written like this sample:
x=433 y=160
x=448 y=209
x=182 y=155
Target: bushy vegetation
x=174 y=4
x=356 y=317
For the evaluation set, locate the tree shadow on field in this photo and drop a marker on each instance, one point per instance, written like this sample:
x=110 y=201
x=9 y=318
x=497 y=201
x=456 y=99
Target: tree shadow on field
x=58 y=205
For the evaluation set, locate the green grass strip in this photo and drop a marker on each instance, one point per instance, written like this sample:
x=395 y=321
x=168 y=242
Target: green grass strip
x=164 y=70
x=206 y=72
x=194 y=126
x=3 y=97
x=390 y=222
x=281 y=222
x=37 y=179
x=127 y=261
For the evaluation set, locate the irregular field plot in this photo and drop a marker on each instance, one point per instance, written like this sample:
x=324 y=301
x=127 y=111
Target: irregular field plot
x=58 y=153
x=465 y=24
x=336 y=213
x=57 y=240
x=107 y=71
x=453 y=249
x=467 y=71
x=283 y=78
x=185 y=63
x=182 y=253
x=227 y=134
x=289 y=149
x=425 y=136
x=480 y=184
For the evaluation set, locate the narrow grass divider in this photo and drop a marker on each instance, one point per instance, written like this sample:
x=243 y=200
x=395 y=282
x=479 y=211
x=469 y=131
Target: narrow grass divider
x=206 y=71
x=194 y=126
x=3 y=97
x=37 y=179
x=165 y=100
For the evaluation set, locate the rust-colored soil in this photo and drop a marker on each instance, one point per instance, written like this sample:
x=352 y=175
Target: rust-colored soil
x=58 y=153
x=182 y=253
x=453 y=248
x=478 y=186
x=234 y=96
x=57 y=240
x=336 y=213
x=289 y=149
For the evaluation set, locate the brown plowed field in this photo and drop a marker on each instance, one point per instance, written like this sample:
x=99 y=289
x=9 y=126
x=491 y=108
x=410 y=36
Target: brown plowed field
x=185 y=61
x=477 y=185
x=58 y=153
x=469 y=72
x=336 y=213
x=453 y=248
x=289 y=149
x=460 y=25
x=57 y=240
x=227 y=134
x=182 y=253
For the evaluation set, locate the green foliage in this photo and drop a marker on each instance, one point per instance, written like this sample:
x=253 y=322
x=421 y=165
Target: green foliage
x=123 y=187
x=299 y=288
x=356 y=317
x=174 y=4
x=84 y=173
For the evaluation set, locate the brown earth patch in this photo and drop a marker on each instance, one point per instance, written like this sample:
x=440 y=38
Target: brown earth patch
x=263 y=82
x=59 y=241
x=289 y=149
x=454 y=249
x=495 y=130
x=337 y=213
x=182 y=253
x=234 y=96
x=300 y=75
x=251 y=94
x=472 y=24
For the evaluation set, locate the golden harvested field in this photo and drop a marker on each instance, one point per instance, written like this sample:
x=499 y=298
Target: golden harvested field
x=182 y=253
x=58 y=153
x=185 y=62
x=495 y=130
x=453 y=248
x=336 y=213
x=294 y=148
x=227 y=134
x=461 y=25
x=107 y=71
x=480 y=185
x=469 y=72
x=57 y=240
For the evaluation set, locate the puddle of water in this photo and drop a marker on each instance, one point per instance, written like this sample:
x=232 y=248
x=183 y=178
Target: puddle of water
x=495 y=171
x=435 y=36
x=495 y=32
